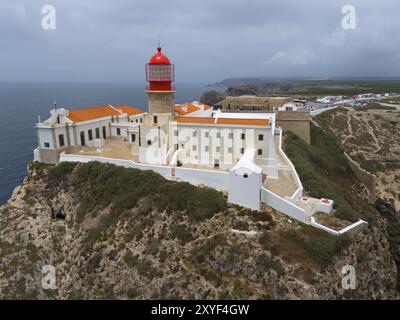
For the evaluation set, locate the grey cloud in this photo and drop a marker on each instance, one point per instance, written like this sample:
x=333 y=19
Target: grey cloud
x=100 y=40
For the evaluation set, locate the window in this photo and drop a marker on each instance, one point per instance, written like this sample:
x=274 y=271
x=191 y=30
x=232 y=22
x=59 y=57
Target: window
x=104 y=133
x=136 y=120
x=194 y=134
x=218 y=135
x=245 y=175
x=206 y=134
x=176 y=146
x=218 y=149
x=61 y=140
x=194 y=148
x=155 y=119
x=90 y=133
x=260 y=137
x=149 y=142
x=97 y=133
x=133 y=137
x=259 y=152
x=230 y=150
x=47 y=145
x=243 y=136
x=241 y=150
x=118 y=132
x=141 y=120
x=230 y=135
x=206 y=148
x=175 y=133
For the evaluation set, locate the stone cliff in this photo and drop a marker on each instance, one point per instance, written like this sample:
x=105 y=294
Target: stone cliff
x=116 y=233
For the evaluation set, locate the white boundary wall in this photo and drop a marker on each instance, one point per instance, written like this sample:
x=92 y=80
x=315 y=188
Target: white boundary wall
x=349 y=230
x=283 y=205
x=213 y=179
x=299 y=192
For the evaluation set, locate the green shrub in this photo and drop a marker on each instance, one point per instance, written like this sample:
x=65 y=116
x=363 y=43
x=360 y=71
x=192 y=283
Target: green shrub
x=265 y=263
x=132 y=293
x=321 y=246
x=241 y=225
x=261 y=216
x=153 y=247
x=205 y=250
x=182 y=232
x=131 y=260
x=265 y=240
x=163 y=255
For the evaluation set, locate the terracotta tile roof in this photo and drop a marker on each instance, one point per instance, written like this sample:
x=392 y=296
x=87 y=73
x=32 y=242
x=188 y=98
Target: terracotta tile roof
x=129 y=109
x=184 y=109
x=91 y=113
x=244 y=122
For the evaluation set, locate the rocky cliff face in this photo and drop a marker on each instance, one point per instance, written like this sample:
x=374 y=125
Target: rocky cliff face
x=118 y=233
x=371 y=135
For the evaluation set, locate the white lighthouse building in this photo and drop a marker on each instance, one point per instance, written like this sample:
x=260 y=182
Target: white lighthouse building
x=238 y=153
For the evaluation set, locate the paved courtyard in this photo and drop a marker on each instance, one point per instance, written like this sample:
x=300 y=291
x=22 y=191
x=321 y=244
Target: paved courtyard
x=113 y=148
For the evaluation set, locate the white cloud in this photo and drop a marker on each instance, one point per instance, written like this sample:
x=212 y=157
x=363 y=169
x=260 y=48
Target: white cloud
x=296 y=57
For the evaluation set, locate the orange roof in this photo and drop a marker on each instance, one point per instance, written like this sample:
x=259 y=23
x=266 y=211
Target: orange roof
x=92 y=113
x=129 y=110
x=238 y=121
x=184 y=109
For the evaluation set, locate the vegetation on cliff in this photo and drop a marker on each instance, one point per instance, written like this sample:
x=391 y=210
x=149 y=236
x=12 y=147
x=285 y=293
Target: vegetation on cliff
x=117 y=233
x=166 y=239
x=324 y=172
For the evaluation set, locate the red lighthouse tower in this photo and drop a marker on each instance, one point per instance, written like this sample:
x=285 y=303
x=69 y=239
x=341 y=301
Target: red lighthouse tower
x=160 y=74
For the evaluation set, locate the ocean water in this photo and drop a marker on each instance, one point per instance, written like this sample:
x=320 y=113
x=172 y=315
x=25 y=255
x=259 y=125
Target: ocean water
x=21 y=103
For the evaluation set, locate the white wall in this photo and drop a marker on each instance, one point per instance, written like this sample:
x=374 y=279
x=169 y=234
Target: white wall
x=299 y=192
x=213 y=179
x=152 y=155
x=349 y=230
x=45 y=135
x=245 y=191
x=36 y=155
x=283 y=205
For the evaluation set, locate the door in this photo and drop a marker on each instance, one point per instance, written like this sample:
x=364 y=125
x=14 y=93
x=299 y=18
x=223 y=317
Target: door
x=82 y=138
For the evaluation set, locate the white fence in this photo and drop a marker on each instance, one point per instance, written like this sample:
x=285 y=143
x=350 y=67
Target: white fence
x=283 y=205
x=213 y=179
x=349 y=230
x=299 y=192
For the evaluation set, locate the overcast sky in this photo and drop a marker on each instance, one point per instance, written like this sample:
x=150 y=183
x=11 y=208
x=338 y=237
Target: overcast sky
x=111 y=40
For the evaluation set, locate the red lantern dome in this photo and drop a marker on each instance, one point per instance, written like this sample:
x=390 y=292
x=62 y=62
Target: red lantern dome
x=160 y=73
x=159 y=58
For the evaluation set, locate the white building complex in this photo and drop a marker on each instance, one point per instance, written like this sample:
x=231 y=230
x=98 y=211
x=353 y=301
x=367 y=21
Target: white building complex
x=238 y=153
